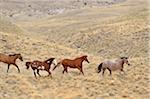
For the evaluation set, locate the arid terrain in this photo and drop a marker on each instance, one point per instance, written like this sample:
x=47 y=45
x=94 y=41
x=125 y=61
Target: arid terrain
x=101 y=29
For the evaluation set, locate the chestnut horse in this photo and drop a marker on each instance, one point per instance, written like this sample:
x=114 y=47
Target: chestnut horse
x=76 y=63
x=10 y=59
x=113 y=65
x=39 y=65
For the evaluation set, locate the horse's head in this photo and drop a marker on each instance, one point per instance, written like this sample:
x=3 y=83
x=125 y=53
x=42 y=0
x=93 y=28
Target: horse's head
x=28 y=65
x=85 y=58
x=125 y=60
x=19 y=56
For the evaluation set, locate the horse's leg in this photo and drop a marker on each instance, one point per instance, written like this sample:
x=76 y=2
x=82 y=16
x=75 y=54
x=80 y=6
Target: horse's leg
x=50 y=74
x=8 y=67
x=34 y=73
x=65 y=69
x=122 y=71
x=80 y=68
x=17 y=68
x=109 y=71
x=103 y=71
x=38 y=72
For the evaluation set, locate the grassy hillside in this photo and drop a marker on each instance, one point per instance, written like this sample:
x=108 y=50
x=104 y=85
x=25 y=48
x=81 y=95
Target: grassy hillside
x=8 y=26
x=101 y=32
x=93 y=30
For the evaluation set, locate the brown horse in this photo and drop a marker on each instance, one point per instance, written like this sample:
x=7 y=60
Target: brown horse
x=76 y=63
x=39 y=65
x=10 y=59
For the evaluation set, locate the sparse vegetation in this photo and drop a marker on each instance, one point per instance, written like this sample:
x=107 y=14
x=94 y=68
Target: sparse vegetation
x=120 y=29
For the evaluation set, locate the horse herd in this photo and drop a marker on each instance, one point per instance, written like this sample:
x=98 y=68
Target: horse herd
x=72 y=63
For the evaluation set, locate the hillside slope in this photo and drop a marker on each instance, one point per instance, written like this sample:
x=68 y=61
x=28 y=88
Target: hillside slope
x=100 y=32
x=95 y=29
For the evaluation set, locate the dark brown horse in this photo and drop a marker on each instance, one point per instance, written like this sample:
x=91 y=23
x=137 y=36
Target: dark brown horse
x=76 y=63
x=10 y=59
x=41 y=65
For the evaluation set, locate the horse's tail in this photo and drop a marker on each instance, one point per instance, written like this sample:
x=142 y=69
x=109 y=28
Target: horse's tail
x=99 y=68
x=28 y=64
x=59 y=63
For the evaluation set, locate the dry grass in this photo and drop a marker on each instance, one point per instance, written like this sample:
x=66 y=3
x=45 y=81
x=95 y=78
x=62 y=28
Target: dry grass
x=100 y=32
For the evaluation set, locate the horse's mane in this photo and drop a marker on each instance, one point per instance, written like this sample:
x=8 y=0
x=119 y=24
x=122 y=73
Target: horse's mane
x=50 y=59
x=81 y=57
x=13 y=54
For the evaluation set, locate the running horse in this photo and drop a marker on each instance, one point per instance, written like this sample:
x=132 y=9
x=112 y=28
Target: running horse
x=10 y=59
x=76 y=63
x=41 y=65
x=113 y=65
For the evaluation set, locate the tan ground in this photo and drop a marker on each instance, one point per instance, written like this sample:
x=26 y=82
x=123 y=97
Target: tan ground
x=101 y=32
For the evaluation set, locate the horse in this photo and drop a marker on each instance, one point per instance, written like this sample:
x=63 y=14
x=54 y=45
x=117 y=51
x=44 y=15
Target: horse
x=76 y=63
x=10 y=59
x=41 y=65
x=113 y=65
